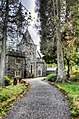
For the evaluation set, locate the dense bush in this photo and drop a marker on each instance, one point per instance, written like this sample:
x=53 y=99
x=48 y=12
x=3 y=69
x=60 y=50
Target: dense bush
x=51 y=77
x=7 y=81
x=75 y=77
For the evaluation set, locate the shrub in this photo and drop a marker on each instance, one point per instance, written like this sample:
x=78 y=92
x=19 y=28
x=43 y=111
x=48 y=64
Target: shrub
x=75 y=78
x=51 y=77
x=7 y=81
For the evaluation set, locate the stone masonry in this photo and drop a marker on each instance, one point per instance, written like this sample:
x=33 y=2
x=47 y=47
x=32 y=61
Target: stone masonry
x=15 y=64
x=26 y=61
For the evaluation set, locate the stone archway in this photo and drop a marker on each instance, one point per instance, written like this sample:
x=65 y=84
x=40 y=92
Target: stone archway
x=39 y=71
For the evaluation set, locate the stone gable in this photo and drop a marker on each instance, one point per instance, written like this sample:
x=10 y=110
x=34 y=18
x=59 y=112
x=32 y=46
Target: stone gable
x=26 y=61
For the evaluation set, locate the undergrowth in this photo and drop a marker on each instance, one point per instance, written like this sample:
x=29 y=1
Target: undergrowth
x=9 y=94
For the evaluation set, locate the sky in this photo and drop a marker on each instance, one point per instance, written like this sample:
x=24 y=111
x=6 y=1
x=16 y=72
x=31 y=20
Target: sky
x=30 y=6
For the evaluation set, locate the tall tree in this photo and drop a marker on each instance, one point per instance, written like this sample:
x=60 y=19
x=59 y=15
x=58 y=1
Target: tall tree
x=71 y=32
x=51 y=13
x=59 y=19
x=14 y=19
x=3 y=49
x=60 y=8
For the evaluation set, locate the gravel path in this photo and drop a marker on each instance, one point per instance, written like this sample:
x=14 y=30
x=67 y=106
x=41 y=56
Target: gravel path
x=42 y=101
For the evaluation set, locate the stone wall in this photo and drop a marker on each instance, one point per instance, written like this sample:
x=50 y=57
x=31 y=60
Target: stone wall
x=15 y=64
x=25 y=64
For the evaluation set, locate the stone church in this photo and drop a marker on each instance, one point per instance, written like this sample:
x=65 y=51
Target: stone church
x=26 y=61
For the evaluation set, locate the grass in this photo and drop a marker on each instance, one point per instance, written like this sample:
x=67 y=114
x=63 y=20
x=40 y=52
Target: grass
x=10 y=94
x=72 y=92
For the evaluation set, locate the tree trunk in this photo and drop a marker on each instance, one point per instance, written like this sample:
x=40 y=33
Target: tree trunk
x=68 y=74
x=3 y=48
x=2 y=73
x=61 y=71
x=70 y=69
x=68 y=65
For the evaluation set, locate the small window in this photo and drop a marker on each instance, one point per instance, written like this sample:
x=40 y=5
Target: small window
x=18 y=61
x=18 y=73
x=31 y=69
x=30 y=53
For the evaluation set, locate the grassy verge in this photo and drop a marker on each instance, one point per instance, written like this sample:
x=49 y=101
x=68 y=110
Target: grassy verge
x=9 y=94
x=72 y=92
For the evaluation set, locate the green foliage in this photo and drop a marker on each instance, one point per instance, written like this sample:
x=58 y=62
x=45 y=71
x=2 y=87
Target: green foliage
x=10 y=91
x=7 y=81
x=75 y=78
x=72 y=91
x=69 y=29
x=52 y=65
x=51 y=77
x=49 y=58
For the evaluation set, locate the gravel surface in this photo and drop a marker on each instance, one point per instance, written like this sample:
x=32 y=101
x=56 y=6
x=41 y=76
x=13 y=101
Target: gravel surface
x=42 y=101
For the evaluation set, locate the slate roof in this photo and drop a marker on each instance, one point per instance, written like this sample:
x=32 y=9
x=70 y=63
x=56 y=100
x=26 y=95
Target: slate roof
x=26 y=38
x=38 y=54
x=51 y=69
